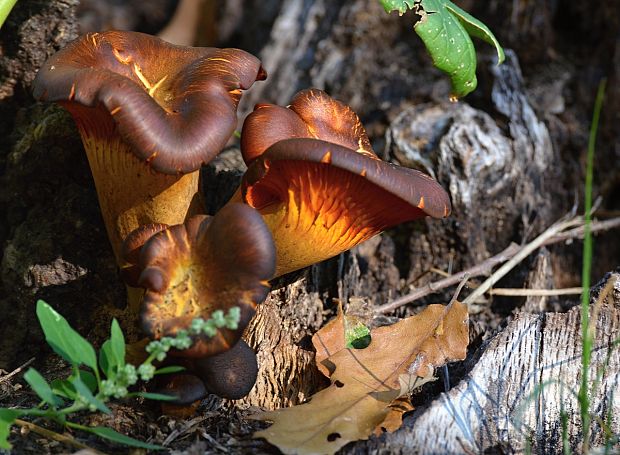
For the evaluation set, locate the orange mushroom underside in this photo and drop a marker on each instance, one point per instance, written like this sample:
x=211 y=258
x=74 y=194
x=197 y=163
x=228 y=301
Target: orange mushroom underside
x=316 y=211
x=191 y=270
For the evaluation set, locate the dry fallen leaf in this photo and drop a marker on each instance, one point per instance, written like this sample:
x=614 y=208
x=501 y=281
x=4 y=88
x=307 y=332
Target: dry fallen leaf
x=366 y=382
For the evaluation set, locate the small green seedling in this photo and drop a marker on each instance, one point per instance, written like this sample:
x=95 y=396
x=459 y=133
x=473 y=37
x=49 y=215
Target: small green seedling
x=86 y=389
x=446 y=31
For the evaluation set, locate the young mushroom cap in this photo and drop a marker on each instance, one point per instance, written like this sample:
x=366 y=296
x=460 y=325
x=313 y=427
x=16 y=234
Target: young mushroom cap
x=324 y=191
x=148 y=112
x=231 y=374
x=191 y=270
x=311 y=114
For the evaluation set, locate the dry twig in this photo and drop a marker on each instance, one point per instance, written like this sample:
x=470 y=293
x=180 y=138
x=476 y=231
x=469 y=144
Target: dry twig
x=16 y=371
x=49 y=434
x=515 y=292
x=554 y=234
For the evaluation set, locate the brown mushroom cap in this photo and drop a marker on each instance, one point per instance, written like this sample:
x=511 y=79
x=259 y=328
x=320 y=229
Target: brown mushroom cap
x=313 y=176
x=191 y=270
x=311 y=114
x=175 y=105
x=231 y=374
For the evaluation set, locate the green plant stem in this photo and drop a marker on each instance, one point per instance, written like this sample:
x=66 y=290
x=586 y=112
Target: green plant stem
x=5 y=8
x=587 y=338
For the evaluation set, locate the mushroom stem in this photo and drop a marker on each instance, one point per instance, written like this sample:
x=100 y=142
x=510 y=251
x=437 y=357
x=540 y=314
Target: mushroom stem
x=130 y=192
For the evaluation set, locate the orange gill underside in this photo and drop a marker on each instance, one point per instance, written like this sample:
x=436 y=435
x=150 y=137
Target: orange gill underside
x=316 y=211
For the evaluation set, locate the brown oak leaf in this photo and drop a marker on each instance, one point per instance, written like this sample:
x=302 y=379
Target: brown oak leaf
x=366 y=382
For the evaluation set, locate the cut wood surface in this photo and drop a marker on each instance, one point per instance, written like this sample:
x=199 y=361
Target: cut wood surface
x=514 y=396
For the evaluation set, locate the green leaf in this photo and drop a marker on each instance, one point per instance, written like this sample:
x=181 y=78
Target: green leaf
x=63 y=388
x=5 y=8
x=170 y=369
x=41 y=387
x=397 y=5
x=449 y=45
x=476 y=28
x=445 y=30
x=356 y=335
x=112 y=352
x=107 y=360
x=89 y=380
x=65 y=341
x=7 y=418
x=117 y=342
x=83 y=390
x=109 y=433
x=155 y=396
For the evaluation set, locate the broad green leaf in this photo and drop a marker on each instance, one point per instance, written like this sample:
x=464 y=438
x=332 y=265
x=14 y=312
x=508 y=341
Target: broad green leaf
x=170 y=369
x=449 y=45
x=41 y=387
x=109 y=433
x=7 y=417
x=63 y=388
x=85 y=392
x=445 y=30
x=397 y=5
x=155 y=396
x=65 y=341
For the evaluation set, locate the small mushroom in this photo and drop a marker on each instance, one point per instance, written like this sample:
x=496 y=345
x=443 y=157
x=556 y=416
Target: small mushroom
x=317 y=183
x=150 y=114
x=207 y=264
x=231 y=374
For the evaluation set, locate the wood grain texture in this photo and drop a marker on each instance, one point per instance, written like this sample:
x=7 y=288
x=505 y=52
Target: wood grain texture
x=526 y=377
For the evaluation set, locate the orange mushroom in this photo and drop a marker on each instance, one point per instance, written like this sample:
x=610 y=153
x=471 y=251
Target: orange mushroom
x=150 y=114
x=190 y=270
x=320 y=188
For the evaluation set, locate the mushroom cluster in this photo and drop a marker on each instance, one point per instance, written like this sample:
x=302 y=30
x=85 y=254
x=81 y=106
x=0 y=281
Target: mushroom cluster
x=150 y=114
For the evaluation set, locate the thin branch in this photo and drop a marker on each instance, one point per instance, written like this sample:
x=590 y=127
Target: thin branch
x=485 y=267
x=49 y=434
x=515 y=292
x=524 y=252
x=16 y=371
x=579 y=232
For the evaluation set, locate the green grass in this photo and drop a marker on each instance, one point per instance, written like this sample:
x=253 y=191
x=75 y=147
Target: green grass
x=587 y=333
x=5 y=8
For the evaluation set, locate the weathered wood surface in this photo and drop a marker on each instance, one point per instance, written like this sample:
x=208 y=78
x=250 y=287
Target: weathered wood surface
x=514 y=396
